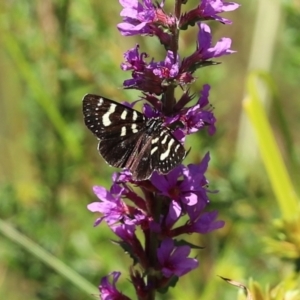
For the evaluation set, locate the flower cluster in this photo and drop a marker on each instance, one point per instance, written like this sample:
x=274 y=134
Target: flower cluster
x=164 y=207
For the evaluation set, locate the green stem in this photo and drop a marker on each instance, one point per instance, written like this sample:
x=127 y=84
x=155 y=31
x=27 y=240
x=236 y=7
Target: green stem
x=278 y=175
x=50 y=260
x=168 y=98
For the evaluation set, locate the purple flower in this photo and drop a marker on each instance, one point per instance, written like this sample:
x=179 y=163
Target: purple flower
x=121 y=177
x=142 y=73
x=210 y=8
x=125 y=232
x=204 y=48
x=193 y=118
x=194 y=173
x=108 y=291
x=130 y=241
x=112 y=207
x=174 y=260
x=137 y=17
x=175 y=212
x=207 y=10
x=167 y=69
x=202 y=222
x=169 y=185
x=142 y=18
x=134 y=60
x=150 y=112
x=187 y=191
x=146 y=19
x=196 y=117
x=153 y=77
x=204 y=51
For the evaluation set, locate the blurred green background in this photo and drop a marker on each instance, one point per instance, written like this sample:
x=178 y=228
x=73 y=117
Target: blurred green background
x=52 y=52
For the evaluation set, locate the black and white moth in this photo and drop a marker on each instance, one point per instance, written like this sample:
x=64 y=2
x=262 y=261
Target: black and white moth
x=130 y=140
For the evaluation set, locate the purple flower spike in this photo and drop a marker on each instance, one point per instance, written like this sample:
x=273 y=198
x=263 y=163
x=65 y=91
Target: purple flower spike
x=108 y=291
x=146 y=210
x=174 y=260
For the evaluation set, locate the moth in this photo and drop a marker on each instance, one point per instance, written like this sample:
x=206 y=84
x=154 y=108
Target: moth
x=128 y=139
